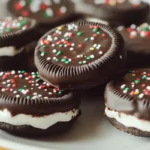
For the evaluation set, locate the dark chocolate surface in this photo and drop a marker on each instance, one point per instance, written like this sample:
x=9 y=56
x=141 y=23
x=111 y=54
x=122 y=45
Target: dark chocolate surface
x=87 y=55
x=48 y=11
x=12 y=25
x=73 y=45
x=133 y=92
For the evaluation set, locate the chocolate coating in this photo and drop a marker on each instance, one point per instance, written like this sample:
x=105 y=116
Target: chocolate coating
x=79 y=55
x=45 y=12
x=115 y=12
x=130 y=94
x=73 y=45
x=17 y=31
x=24 y=92
x=137 y=44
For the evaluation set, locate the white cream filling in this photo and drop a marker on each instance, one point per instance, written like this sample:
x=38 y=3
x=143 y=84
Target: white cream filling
x=43 y=122
x=91 y=19
x=128 y=120
x=9 y=51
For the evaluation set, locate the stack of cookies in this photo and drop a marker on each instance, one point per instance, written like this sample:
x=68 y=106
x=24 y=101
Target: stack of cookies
x=46 y=61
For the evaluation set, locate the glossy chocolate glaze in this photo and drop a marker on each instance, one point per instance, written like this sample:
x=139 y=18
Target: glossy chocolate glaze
x=116 y=13
x=137 y=44
x=72 y=72
x=24 y=92
x=43 y=11
x=130 y=94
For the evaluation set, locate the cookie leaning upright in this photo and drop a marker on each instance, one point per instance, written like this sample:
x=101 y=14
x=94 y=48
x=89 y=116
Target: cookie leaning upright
x=127 y=102
x=15 y=34
x=31 y=107
x=79 y=55
x=115 y=12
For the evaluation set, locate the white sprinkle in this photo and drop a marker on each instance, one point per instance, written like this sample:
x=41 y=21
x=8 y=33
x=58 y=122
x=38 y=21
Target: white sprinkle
x=84 y=61
x=14 y=92
x=133 y=26
x=48 y=58
x=148 y=88
x=123 y=86
x=56 y=38
x=20 y=75
x=8 y=85
x=69 y=60
x=34 y=93
x=3 y=90
x=8 y=81
x=45 y=97
x=13 y=72
x=72 y=44
x=49 y=12
x=53 y=45
x=56 y=1
x=100 y=52
x=54 y=51
x=141 y=95
x=92 y=56
x=45 y=90
x=3 y=82
x=17 y=96
x=26 y=78
x=63 y=9
x=120 y=57
x=71 y=49
x=92 y=38
x=54 y=58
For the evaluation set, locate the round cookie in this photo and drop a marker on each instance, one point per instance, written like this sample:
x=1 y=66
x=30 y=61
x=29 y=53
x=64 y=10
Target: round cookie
x=127 y=102
x=15 y=34
x=48 y=13
x=79 y=55
x=114 y=12
x=137 y=44
x=31 y=107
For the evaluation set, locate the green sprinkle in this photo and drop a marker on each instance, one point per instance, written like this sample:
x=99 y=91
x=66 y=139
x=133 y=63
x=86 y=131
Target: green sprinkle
x=20 y=90
x=37 y=80
x=95 y=29
x=28 y=97
x=67 y=38
x=59 y=92
x=43 y=53
x=144 y=29
x=144 y=77
x=79 y=33
x=86 y=39
x=23 y=71
x=8 y=29
x=66 y=62
x=63 y=60
x=61 y=45
x=59 y=52
x=137 y=81
x=25 y=86
x=80 y=62
x=98 y=32
x=23 y=22
x=127 y=89
x=88 y=58
x=56 y=59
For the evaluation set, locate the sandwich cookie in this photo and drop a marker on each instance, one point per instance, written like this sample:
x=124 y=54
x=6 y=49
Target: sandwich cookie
x=137 y=44
x=115 y=12
x=79 y=55
x=31 y=107
x=15 y=34
x=127 y=102
x=48 y=13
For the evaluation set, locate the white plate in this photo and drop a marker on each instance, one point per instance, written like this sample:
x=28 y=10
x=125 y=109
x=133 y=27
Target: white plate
x=92 y=131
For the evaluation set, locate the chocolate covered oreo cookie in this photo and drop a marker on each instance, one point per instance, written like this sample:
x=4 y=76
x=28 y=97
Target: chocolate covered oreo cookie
x=114 y=12
x=48 y=13
x=137 y=44
x=15 y=34
x=31 y=107
x=127 y=102
x=79 y=55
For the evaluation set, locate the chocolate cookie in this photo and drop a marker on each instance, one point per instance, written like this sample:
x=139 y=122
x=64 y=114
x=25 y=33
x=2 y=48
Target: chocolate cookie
x=48 y=13
x=114 y=12
x=127 y=102
x=79 y=55
x=31 y=107
x=15 y=34
x=137 y=44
